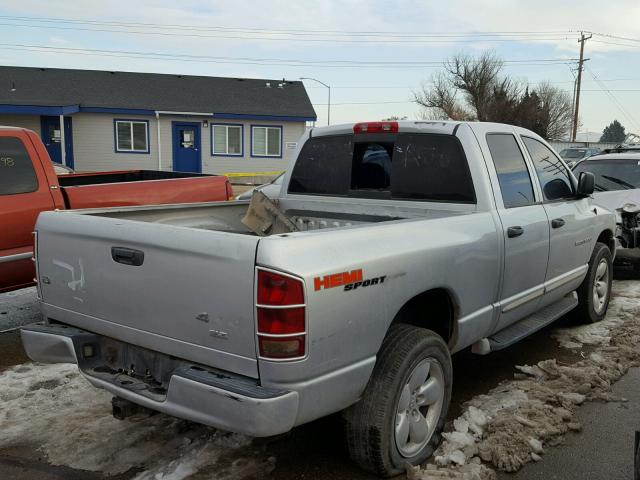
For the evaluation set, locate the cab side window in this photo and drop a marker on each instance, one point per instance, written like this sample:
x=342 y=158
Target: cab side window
x=513 y=176
x=552 y=174
x=16 y=170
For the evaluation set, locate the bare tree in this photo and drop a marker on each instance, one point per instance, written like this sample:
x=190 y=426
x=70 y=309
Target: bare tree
x=476 y=78
x=557 y=107
x=471 y=88
x=440 y=101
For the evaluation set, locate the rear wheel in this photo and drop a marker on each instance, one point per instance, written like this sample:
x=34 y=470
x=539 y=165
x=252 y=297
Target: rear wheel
x=595 y=291
x=403 y=409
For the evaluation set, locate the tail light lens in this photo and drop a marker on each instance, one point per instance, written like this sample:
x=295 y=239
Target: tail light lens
x=229 y=188
x=281 y=312
x=376 y=127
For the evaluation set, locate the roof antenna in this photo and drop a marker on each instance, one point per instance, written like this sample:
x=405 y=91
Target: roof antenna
x=13 y=86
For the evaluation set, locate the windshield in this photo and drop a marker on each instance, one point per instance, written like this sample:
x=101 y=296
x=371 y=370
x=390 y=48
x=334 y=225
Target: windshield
x=572 y=153
x=613 y=174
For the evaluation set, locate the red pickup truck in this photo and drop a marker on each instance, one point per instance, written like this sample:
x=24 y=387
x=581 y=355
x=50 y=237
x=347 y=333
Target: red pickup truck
x=29 y=185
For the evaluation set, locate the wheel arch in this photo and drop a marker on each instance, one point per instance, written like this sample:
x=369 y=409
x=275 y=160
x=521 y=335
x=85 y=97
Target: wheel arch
x=606 y=237
x=434 y=309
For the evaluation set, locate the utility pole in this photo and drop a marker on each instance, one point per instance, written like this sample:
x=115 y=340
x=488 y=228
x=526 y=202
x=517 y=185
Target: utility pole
x=583 y=38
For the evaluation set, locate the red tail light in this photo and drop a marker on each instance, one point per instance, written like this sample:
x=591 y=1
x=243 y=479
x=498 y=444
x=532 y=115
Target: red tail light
x=229 y=188
x=376 y=127
x=281 y=316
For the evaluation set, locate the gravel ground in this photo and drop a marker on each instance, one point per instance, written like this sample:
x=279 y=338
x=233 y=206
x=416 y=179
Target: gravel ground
x=60 y=403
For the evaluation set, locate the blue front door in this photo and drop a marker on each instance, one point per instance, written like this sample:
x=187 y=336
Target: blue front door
x=50 y=133
x=186 y=147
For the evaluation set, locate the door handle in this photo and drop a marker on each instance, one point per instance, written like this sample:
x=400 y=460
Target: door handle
x=514 y=231
x=127 y=256
x=557 y=222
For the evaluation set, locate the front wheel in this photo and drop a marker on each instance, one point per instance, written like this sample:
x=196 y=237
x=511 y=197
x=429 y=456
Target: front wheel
x=402 y=411
x=595 y=291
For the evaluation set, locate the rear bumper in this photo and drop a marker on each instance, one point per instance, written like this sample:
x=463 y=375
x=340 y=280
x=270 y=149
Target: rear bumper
x=219 y=399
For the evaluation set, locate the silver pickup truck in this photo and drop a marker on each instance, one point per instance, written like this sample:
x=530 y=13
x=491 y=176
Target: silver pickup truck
x=412 y=240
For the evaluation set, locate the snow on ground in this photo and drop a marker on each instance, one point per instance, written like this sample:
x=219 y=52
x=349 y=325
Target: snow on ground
x=515 y=422
x=55 y=408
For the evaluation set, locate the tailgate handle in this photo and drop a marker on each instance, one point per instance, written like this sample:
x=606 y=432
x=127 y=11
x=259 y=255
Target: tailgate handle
x=127 y=256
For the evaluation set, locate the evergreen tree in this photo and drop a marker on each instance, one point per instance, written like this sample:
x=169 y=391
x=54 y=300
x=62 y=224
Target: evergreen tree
x=614 y=133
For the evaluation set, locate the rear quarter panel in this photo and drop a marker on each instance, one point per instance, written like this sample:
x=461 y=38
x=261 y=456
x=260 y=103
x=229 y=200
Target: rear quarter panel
x=458 y=253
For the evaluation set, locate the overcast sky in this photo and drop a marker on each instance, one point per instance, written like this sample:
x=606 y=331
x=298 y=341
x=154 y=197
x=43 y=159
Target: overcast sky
x=359 y=92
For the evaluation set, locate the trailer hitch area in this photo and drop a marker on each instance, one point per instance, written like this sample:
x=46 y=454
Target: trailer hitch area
x=629 y=227
x=124 y=408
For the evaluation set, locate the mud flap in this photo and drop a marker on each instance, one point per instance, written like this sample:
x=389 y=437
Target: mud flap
x=265 y=218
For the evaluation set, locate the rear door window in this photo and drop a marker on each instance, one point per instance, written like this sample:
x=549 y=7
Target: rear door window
x=513 y=175
x=553 y=175
x=431 y=167
x=424 y=167
x=16 y=170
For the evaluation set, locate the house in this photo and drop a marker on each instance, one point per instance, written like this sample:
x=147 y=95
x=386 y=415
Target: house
x=113 y=120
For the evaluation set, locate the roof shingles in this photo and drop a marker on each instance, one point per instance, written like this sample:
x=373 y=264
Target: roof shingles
x=153 y=91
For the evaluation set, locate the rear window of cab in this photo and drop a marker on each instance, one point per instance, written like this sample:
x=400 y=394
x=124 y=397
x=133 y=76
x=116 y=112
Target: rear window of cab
x=406 y=166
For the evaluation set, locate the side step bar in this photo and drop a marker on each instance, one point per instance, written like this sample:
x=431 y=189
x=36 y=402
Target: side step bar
x=534 y=322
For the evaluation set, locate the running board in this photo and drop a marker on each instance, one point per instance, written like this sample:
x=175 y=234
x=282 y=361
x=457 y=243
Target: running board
x=534 y=322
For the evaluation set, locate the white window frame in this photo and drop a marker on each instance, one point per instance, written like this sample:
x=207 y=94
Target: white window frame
x=266 y=140
x=116 y=122
x=226 y=152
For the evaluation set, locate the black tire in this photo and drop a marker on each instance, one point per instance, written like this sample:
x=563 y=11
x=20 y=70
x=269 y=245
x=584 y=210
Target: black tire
x=370 y=423
x=586 y=311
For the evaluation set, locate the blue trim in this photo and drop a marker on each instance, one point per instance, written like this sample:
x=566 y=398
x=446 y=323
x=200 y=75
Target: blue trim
x=39 y=110
x=241 y=154
x=198 y=127
x=122 y=111
x=115 y=136
x=69 y=109
x=267 y=118
x=55 y=151
x=251 y=143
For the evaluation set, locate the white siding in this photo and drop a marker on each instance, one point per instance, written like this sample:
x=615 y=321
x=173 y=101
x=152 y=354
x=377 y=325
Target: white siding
x=291 y=132
x=94 y=143
x=32 y=122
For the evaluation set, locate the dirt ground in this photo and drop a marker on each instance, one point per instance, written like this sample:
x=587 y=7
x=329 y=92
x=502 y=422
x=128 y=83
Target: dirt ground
x=70 y=424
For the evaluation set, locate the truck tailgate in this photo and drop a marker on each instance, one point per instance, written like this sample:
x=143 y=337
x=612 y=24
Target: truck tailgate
x=192 y=296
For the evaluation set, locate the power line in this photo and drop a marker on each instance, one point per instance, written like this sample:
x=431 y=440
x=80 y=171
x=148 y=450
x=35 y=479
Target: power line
x=281 y=31
x=365 y=103
x=288 y=37
x=255 y=61
x=614 y=99
x=617 y=43
x=616 y=37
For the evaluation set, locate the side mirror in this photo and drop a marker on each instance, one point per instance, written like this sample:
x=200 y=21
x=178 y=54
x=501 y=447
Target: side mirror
x=586 y=184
